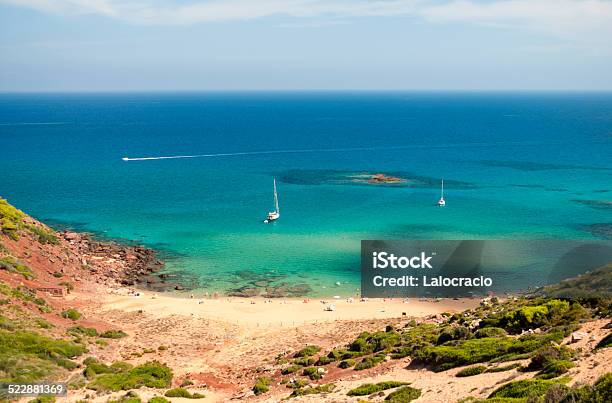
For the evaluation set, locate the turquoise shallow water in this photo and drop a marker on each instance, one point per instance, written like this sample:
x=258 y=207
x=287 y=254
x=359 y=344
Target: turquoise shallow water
x=521 y=166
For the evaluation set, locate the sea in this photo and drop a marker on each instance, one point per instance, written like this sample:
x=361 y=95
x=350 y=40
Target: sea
x=515 y=165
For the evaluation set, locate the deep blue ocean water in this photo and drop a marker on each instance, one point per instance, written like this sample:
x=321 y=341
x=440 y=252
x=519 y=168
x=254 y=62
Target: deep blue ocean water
x=520 y=166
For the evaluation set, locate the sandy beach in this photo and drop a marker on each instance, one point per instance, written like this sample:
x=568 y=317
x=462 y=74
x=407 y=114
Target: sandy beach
x=259 y=312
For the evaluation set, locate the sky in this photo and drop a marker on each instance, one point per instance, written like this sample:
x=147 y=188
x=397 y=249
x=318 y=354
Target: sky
x=193 y=45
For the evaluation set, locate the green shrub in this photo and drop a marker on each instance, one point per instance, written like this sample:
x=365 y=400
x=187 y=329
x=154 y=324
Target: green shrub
x=490 y=332
x=403 y=395
x=130 y=397
x=44 y=235
x=381 y=341
x=27 y=356
x=503 y=368
x=531 y=314
x=471 y=371
x=555 y=368
x=113 y=334
x=605 y=342
x=475 y=351
x=71 y=313
x=602 y=389
x=262 y=385
x=158 y=399
x=369 y=388
x=313 y=390
x=304 y=361
x=297 y=383
x=12 y=265
x=334 y=355
x=346 y=363
x=453 y=333
x=312 y=373
x=324 y=360
x=87 y=331
x=151 y=374
x=181 y=392
x=369 y=362
x=307 y=351
x=552 y=361
x=546 y=355
x=11 y=219
x=291 y=369
x=556 y=393
x=523 y=389
x=43 y=324
x=6 y=323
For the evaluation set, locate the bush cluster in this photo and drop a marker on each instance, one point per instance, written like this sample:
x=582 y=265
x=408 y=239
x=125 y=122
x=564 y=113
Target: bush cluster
x=113 y=334
x=307 y=351
x=369 y=388
x=471 y=371
x=13 y=265
x=313 y=390
x=403 y=395
x=122 y=376
x=28 y=356
x=71 y=314
x=262 y=385
x=181 y=392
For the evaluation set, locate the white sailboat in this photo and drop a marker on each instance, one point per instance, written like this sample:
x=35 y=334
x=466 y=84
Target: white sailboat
x=442 y=202
x=274 y=215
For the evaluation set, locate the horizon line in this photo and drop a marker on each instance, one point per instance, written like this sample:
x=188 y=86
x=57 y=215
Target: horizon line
x=303 y=90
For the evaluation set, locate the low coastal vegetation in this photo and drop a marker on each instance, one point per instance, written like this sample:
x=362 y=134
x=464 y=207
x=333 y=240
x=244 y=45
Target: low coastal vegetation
x=182 y=392
x=471 y=371
x=482 y=369
x=307 y=351
x=262 y=385
x=113 y=334
x=13 y=265
x=71 y=314
x=312 y=390
x=122 y=376
x=14 y=222
x=82 y=330
x=24 y=295
x=369 y=388
x=27 y=356
x=491 y=333
x=481 y=339
x=403 y=395
x=550 y=391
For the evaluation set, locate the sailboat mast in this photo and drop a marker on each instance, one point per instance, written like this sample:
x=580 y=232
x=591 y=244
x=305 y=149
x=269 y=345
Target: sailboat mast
x=442 y=192
x=276 y=197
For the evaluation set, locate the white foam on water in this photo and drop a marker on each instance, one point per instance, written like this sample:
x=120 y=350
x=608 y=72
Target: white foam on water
x=324 y=150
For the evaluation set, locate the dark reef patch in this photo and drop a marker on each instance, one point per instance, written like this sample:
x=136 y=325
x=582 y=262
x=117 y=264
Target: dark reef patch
x=266 y=285
x=597 y=204
x=366 y=178
x=526 y=186
x=601 y=230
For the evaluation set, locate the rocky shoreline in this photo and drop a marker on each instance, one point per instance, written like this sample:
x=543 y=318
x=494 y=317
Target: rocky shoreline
x=116 y=263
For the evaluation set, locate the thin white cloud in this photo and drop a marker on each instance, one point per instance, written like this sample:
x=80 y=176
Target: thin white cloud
x=588 y=18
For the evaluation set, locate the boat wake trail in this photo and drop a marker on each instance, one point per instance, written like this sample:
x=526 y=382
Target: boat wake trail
x=328 y=150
